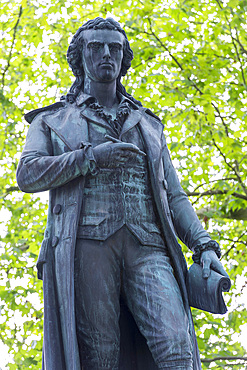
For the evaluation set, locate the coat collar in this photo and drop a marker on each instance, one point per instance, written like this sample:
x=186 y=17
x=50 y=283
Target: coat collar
x=83 y=100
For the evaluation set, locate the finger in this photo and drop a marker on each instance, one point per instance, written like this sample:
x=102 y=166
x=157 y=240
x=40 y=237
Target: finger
x=142 y=153
x=127 y=146
x=206 y=268
x=134 y=150
x=217 y=266
x=115 y=140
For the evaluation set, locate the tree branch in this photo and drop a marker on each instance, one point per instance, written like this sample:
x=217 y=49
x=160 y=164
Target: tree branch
x=147 y=60
x=216 y=55
x=236 y=241
x=244 y=51
x=225 y=358
x=172 y=56
x=11 y=189
x=233 y=41
x=215 y=192
x=222 y=119
x=233 y=245
x=240 y=214
x=182 y=69
x=239 y=59
x=223 y=179
x=12 y=46
x=229 y=165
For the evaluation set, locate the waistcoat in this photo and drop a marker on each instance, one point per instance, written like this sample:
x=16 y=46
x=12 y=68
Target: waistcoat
x=119 y=195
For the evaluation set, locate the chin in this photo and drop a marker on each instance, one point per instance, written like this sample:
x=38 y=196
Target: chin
x=108 y=79
x=107 y=76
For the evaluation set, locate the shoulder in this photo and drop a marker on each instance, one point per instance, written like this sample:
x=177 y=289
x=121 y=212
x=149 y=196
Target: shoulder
x=151 y=117
x=49 y=109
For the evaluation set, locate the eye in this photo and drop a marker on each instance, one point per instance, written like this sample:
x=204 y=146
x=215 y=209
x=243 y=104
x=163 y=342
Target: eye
x=115 y=48
x=96 y=46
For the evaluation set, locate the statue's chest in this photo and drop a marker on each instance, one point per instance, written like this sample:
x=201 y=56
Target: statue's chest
x=97 y=134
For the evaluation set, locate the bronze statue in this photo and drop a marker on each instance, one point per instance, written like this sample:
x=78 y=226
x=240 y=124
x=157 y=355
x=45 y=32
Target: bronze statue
x=113 y=272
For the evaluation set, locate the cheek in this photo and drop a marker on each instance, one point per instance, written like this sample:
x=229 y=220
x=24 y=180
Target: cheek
x=119 y=59
x=91 y=62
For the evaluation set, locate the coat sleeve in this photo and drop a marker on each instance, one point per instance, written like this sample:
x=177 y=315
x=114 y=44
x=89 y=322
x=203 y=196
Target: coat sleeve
x=185 y=221
x=39 y=169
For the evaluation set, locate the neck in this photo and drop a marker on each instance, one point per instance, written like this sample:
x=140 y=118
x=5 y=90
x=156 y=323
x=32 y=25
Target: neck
x=104 y=92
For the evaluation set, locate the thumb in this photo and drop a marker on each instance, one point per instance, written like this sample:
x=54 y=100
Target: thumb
x=206 y=268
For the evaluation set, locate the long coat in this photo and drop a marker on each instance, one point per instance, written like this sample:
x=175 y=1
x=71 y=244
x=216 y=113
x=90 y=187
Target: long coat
x=52 y=160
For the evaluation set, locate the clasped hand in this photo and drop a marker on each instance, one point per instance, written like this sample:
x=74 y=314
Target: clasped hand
x=209 y=260
x=114 y=153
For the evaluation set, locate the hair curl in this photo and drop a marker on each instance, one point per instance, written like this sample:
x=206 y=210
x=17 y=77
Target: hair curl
x=74 y=56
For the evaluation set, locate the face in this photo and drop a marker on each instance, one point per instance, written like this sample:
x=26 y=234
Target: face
x=102 y=54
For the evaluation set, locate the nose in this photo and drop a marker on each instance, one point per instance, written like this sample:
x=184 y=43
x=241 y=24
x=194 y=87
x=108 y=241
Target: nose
x=106 y=52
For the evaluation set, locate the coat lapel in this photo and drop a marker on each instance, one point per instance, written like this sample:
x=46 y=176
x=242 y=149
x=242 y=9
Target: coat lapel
x=92 y=116
x=69 y=126
x=151 y=134
x=133 y=118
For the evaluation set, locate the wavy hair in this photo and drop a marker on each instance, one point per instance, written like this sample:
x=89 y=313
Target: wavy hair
x=74 y=56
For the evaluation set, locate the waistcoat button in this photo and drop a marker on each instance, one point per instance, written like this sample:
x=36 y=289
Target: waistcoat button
x=57 y=209
x=54 y=241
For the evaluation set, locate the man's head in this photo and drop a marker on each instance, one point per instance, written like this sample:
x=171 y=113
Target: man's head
x=78 y=51
x=95 y=30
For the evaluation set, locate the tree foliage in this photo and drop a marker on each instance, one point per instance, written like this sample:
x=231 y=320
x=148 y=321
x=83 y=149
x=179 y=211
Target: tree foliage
x=190 y=69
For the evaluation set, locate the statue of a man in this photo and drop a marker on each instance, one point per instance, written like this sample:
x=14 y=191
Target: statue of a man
x=110 y=252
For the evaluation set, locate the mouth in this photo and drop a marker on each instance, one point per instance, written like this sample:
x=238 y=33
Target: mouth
x=106 y=64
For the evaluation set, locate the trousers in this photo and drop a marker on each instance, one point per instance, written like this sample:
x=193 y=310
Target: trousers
x=143 y=277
